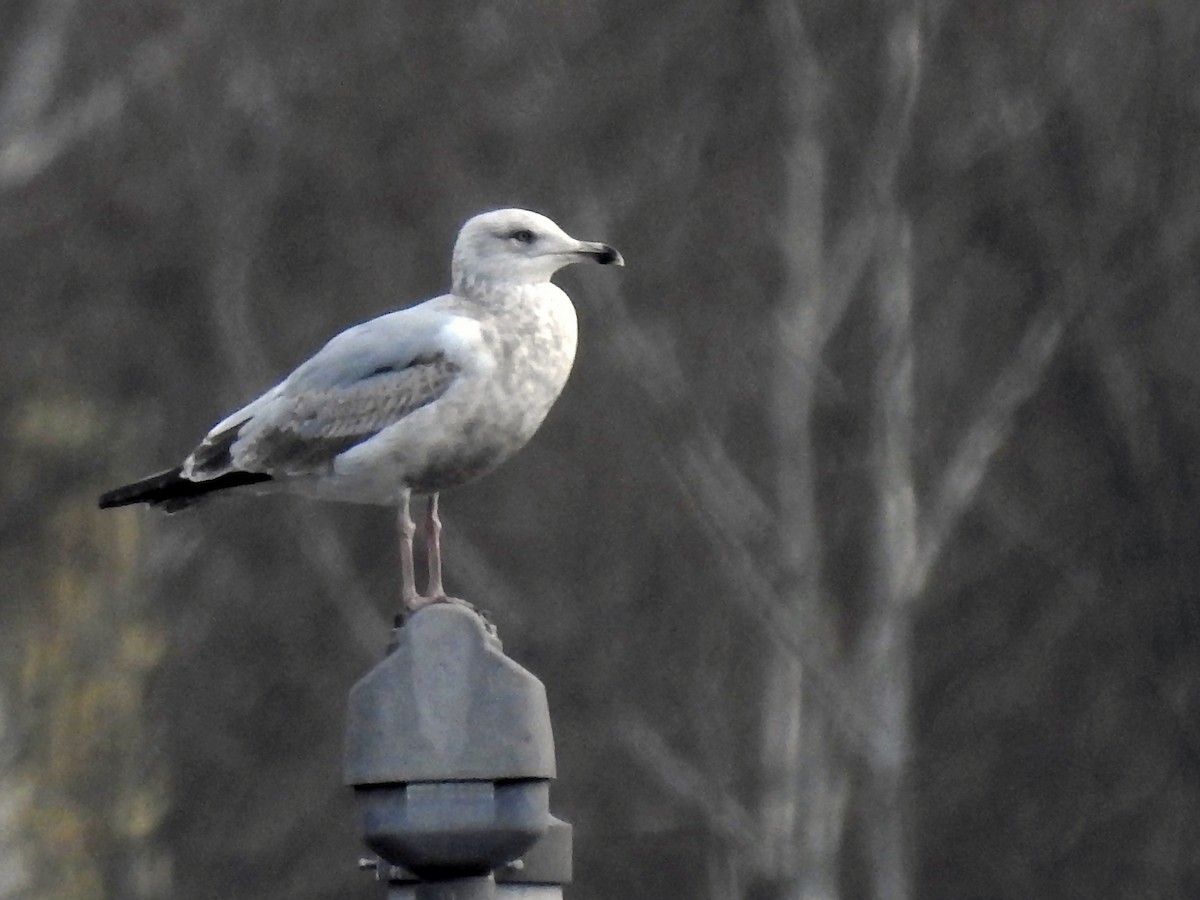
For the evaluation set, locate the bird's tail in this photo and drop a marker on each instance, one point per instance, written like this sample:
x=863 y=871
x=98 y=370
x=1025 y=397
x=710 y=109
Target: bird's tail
x=172 y=492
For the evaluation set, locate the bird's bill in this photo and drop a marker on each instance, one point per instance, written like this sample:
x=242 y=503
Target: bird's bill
x=601 y=253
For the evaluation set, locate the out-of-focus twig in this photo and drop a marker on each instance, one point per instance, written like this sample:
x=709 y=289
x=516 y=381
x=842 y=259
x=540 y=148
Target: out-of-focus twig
x=984 y=436
x=714 y=488
x=721 y=811
x=883 y=656
x=331 y=563
x=485 y=580
x=875 y=186
x=37 y=62
x=895 y=407
x=32 y=136
x=796 y=349
x=753 y=590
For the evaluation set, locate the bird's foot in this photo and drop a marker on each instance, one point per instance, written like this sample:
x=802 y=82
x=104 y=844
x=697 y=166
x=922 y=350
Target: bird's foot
x=421 y=601
x=417 y=603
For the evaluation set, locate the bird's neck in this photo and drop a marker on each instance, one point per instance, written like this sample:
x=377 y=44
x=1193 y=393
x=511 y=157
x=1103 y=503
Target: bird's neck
x=479 y=286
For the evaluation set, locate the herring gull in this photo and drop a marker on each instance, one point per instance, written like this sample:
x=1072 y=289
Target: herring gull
x=415 y=401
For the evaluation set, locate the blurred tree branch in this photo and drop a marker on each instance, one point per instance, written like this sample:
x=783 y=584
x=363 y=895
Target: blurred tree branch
x=876 y=181
x=33 y=133
x=691 y=786
x=883 y=666
x=983 y=438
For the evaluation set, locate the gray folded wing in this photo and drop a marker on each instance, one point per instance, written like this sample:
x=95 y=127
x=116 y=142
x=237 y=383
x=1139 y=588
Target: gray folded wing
x=362 y=381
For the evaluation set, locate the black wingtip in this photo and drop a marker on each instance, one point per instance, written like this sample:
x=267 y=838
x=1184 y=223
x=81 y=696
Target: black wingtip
x=172 y=492
x=153 y=489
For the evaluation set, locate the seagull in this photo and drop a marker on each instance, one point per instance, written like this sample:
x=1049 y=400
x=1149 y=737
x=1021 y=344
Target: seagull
x=412 y=402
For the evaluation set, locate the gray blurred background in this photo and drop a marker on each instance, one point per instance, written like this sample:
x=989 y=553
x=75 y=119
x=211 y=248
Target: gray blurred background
x=859 y=556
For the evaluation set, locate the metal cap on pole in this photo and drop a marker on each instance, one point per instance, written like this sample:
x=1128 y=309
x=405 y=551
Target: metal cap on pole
x=450 y=752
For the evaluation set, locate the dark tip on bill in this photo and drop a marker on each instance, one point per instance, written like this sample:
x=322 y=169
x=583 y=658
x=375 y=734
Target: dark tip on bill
x=606 y=255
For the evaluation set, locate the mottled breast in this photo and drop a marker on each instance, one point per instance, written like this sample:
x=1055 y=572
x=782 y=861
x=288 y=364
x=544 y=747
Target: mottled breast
x=531 y=338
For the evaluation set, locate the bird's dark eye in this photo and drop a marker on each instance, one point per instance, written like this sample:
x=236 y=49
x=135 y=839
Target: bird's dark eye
x=523 y=236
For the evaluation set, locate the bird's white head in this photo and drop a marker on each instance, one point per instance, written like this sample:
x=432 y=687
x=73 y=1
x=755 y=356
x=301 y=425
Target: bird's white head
x=516 y=246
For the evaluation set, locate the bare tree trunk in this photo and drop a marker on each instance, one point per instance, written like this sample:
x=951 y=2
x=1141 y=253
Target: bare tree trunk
x=820 y=278
x=884 y=652
x=886 y=644
x=805 y=782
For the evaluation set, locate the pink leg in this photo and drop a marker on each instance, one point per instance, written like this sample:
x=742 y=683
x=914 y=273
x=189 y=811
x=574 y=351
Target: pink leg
x=433 y=549
x=408 y=579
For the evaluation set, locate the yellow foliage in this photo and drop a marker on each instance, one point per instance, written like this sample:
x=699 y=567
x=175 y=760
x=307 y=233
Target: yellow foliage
x=57 y=423
x=141 y=646
x=83 y=668
x=138 y=812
